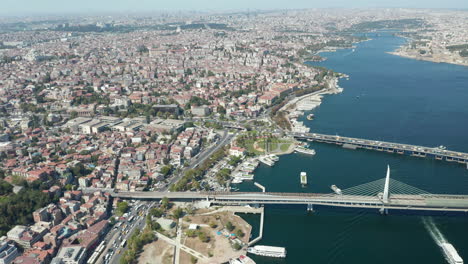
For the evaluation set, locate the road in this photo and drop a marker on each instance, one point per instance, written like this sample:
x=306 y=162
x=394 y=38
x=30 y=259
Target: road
x=225 y=139
x=115 y=237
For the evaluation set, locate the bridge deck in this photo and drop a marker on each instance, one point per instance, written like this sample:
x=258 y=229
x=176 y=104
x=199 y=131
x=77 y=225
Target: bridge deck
x=414 y=150
x=417 y=202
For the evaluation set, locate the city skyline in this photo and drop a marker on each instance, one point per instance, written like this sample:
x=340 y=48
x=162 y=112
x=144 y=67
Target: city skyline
x=28 y=7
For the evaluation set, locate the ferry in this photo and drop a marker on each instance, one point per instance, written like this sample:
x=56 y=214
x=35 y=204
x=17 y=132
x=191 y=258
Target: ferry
x=268 y=251
x=303 y=178
x=304 y=150
x=336 y=189
x=310 y=117
x=451 y=253
x=242 y=260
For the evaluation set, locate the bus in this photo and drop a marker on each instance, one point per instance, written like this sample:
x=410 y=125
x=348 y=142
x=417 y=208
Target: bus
x=122 y=245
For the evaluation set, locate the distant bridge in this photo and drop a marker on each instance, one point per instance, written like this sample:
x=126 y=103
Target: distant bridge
x=413 y=150
x=395 y=195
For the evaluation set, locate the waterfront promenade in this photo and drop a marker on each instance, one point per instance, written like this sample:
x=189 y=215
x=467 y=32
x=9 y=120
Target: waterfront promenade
x=413 y=150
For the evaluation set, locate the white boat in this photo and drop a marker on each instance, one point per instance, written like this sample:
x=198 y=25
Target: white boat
x=273 y=157
x=242 y=260
x=451 y=253
x=266 y=160
x=236 y=180
x=304 y=150
x=336 y=189
x=303 y=178
x=310 y=117
x=268 y=251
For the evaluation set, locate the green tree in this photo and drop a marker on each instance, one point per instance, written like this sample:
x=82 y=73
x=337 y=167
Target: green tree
x=178 y=213
x=122 y=208
x=230 y=226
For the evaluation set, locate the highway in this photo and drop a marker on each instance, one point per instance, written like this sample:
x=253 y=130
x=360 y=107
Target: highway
x=225 y=139
x=428 y=202
x=115 y=237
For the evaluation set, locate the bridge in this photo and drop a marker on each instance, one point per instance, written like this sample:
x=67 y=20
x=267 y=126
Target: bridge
x=395 y=195
x=403 y=149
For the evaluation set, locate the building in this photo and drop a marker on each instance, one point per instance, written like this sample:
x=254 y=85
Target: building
x=70 y=255
x=200 y=110
x=171 y=108
x=8 y=252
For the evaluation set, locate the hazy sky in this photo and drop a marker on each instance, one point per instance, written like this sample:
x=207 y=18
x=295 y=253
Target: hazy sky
x=15 y=7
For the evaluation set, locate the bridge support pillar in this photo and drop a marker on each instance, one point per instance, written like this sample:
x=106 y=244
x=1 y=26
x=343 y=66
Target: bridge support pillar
x=310 y=207
x=383 y=211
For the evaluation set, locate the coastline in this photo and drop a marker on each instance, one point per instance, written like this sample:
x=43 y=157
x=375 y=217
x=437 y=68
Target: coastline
x=298 y=106
x=404 y=54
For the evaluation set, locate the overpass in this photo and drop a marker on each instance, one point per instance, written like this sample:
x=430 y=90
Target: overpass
x=407 y=149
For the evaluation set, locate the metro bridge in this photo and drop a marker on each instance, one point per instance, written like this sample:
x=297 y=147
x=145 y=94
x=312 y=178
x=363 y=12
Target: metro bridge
x=413 y=150
x=395 y=195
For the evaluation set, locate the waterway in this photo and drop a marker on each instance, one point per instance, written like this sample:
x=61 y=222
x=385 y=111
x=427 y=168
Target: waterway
x=386 y=98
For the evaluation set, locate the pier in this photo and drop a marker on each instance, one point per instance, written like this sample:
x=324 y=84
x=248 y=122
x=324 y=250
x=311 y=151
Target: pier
x=389 y=147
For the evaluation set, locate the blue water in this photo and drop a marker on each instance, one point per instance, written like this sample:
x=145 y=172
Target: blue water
x=386 y=98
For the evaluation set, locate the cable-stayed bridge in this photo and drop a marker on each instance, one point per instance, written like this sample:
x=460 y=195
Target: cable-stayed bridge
x=381 y=194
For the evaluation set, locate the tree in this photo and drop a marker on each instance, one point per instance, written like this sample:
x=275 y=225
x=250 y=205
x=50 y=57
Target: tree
x=178 y=213
x=229 y=226
x=122 y=208
x=193 y=260
x=156 y=212
x=236 y=246
x=73 y=114
x=213 y=225
x=239 y=233
x=165 y=203
x=203 y=237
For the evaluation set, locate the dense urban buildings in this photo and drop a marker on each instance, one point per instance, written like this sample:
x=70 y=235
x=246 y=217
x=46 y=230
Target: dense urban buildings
x=94 y=105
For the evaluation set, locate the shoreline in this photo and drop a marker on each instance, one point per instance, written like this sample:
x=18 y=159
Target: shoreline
x=297 y=107
x=403 y=54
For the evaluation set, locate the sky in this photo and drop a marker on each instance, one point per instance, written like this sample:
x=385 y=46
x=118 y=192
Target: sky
x=19 y=7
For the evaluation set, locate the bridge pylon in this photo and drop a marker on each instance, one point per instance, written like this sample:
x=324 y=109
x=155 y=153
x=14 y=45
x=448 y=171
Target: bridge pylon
x=386 y=193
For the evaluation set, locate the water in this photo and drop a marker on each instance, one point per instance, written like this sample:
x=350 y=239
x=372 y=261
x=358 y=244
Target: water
x=386 y=98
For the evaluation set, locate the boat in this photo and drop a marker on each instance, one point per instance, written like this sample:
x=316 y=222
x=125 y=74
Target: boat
x=310 y=117
x=451 y=253
x=236 y=180
x=303 y=178
x=336 y=189
x=268 y=251
x=442 y=147
x=267 y=161
x=304 y=150
x=273 y=157
x=242 y=260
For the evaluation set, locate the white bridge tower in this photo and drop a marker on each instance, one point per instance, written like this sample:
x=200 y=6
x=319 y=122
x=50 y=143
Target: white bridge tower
x=386 y=193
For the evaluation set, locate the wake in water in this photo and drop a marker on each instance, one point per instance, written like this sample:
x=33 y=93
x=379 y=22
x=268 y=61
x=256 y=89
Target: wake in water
x=435 y=233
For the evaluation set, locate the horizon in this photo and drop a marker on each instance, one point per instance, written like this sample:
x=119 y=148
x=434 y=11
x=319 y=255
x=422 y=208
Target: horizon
x=56 y=7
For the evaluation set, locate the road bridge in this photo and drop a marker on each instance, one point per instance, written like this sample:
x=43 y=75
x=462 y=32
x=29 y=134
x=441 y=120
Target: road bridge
x=437 y=153
x=381 y=194
x=427 y=202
